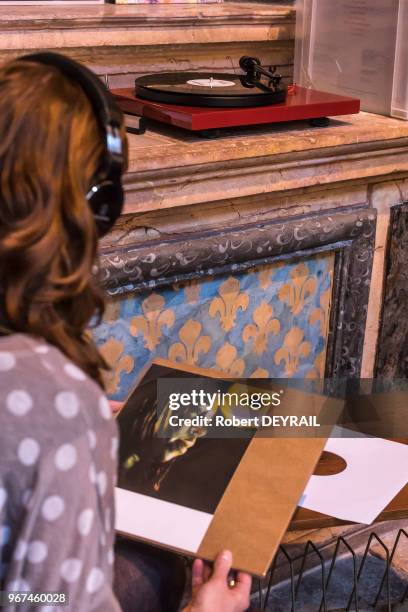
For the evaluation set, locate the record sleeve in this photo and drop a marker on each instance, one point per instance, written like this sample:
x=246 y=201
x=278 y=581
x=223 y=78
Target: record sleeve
x=198 y=495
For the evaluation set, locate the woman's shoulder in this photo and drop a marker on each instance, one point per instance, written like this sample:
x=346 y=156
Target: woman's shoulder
x=44 y=392
x=35 y=363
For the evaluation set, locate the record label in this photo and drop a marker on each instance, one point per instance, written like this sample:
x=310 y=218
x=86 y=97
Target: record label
x=210 y=83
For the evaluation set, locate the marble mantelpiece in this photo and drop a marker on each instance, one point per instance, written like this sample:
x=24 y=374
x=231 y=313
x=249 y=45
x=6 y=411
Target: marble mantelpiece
x=179 y=184
x=170 y=168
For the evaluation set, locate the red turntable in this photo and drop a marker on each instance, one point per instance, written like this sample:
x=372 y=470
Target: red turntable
x=204 y=102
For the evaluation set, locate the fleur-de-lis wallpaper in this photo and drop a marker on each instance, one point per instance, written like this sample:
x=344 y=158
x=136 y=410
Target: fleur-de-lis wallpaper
x=269 y=321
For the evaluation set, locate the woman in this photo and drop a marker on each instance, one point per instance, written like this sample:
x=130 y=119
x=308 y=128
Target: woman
x=58 y=442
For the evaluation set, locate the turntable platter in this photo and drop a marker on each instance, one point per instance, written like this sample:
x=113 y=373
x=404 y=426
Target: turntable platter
x=205 y=89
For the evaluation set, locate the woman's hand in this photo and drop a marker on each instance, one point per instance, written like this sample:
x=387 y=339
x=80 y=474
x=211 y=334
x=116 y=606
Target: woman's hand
x=115 y=406
x=212 y=593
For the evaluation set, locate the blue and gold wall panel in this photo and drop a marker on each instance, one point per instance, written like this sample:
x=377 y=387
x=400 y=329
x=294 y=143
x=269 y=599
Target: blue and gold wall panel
x=270 y=321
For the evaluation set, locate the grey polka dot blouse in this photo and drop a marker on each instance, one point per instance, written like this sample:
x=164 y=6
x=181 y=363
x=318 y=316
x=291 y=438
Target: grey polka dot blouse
x=58 y=446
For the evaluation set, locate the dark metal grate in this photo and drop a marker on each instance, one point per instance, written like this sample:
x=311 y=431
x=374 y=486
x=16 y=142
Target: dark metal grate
x=383 y=596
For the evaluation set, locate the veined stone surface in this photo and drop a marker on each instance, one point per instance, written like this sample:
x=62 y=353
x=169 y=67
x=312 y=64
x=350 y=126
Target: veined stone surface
x=122 y=42
x=170 y=168
x=28 y=27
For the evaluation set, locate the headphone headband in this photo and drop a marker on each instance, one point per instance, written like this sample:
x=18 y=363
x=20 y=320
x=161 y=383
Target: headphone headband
x=101 y=99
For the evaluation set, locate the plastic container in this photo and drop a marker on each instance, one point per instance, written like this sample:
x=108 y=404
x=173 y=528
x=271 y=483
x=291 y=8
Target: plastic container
x=357 y=48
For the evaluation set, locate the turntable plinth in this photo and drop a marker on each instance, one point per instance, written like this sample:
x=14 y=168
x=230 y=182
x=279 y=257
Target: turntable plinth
x=301 y=104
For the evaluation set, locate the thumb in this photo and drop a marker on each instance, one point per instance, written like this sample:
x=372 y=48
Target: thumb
x=222 y=565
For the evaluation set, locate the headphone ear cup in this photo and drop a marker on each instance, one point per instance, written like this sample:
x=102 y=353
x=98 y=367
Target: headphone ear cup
x=106 y=201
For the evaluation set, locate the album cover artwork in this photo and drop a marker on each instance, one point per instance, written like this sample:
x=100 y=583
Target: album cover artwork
x=196 y=494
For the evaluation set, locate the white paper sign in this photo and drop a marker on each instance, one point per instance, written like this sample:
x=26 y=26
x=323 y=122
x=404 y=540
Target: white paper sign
x=376 y=471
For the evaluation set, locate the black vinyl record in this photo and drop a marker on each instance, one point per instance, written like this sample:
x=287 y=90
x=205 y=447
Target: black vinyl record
x=205 y=89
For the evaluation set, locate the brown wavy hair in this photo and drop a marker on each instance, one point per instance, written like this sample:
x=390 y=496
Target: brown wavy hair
x=50 y=148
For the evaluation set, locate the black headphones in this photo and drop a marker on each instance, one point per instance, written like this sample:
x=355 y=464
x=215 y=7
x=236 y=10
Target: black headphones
x=105 y=195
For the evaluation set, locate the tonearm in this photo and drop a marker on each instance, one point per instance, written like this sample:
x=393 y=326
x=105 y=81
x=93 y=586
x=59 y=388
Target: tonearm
x=254 y=72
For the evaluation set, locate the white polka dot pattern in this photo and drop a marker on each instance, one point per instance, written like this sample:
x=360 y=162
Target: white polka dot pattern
x=18 y=585
x=92 y=473
x=74 y=372
x=36 y=552
x=104 y=408
x=52 y=508
x=65 y=457
x=7 y=361
x=28 y=451
x=67 y=404
x=41 y=349
x=114 y=447
x=3 y=497
x=91 y=438
x=20 y=550
x=19 y=402
x=101 y=482
x=71 y=569
x=85 y=521
x=94 y=580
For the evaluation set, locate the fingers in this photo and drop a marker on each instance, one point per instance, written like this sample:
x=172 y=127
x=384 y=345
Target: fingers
x=207 y=571
x=115 y=406
x=197 y=575
x=222 y=565
x=243 y=584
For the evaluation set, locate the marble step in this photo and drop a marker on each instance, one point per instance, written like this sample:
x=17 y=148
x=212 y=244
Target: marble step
x=121 y=42
x=173 y=168
x=33 y=27
x=122 y=65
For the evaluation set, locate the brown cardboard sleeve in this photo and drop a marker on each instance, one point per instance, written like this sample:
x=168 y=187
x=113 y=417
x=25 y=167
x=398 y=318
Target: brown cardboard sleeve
x=260 y=500
x=262 y=496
